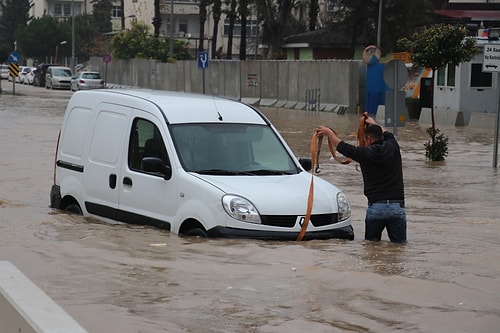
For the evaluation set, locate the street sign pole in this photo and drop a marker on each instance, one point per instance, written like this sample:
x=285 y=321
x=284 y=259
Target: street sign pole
x=497 y=125
x=491 y=63
x=14 y=59
x=203 y=64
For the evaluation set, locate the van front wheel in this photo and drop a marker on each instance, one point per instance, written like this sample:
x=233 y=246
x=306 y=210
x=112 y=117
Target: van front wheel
x=74 y=208
x=197 y=232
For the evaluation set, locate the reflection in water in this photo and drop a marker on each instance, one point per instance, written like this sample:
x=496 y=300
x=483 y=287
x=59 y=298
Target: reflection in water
x=383 y=257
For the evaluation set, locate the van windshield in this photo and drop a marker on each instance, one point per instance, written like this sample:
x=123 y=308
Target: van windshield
x=231 y=149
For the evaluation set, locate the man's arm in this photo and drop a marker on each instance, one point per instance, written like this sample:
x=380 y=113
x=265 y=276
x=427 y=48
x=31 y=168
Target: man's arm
x=328 y=132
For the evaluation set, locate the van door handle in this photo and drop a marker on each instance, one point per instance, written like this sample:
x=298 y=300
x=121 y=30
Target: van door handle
x=127 y=181
x=112 y=181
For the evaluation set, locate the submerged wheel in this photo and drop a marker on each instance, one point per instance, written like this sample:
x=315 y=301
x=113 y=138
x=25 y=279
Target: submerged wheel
x=74 y=208
x=197 y=232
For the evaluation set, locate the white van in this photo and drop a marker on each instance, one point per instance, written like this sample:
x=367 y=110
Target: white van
x=192 y=164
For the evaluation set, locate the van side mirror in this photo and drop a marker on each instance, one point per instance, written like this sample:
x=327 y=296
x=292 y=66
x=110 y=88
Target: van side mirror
x=156 y=165
x=306 y=163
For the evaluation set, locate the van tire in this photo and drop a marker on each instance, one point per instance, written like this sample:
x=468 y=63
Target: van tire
x=197 y=232
x=74 y=208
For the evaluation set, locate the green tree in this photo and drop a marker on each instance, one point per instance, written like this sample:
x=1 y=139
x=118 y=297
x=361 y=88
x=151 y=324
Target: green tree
x=358 y=19
x=102 y=15
x=313 y=14
x=39 y=39
x=138 y=42
x=89 y=41
x=14 y=16
x=435 y=47
x=278 y=22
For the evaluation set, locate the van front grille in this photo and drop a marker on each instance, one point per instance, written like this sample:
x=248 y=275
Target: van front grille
x=288 y=221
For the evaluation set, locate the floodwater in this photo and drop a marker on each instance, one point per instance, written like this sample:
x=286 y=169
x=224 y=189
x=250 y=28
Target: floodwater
x=122 y=278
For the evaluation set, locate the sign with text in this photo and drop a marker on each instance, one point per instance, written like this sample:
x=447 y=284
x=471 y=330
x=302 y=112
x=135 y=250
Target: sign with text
x=491 y=61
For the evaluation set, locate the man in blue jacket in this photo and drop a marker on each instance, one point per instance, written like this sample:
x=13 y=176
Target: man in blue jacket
x=381 y=166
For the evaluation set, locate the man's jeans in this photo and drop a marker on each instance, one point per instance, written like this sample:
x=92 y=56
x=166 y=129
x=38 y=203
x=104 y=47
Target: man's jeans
x=385 y=215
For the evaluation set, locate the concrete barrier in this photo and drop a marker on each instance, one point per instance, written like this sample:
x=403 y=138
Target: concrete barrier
x=442 y=118
x=26 y=308
x=267 y=102
x=482 y=120
x=380 y=116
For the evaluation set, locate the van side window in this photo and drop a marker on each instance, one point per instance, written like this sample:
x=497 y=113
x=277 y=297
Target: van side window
x=145 y=141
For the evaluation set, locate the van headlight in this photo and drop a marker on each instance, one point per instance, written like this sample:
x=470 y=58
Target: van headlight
x=344 y=207
x=240 y=208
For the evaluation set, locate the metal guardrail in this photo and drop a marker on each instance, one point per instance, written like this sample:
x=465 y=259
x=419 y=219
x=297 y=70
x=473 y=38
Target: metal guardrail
x=313 y=98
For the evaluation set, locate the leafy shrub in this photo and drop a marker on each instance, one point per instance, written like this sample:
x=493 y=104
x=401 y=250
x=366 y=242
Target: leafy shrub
x=436 y=149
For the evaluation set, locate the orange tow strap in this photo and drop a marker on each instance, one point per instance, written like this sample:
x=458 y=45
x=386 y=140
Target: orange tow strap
x=315 y=150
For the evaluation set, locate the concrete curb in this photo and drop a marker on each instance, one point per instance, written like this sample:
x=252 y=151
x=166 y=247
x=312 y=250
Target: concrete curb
x=26 y=308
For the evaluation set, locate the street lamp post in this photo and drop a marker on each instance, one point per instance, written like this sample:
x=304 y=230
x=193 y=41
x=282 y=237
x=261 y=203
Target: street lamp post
x=379 y=23
x=171 y=50
x=57 y=50
x=72 y=63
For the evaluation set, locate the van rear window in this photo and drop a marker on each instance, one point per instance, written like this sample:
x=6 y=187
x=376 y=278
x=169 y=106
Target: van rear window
x=73 y=139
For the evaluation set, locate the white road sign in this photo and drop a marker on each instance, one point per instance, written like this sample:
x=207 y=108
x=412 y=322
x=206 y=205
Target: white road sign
x=491 y=62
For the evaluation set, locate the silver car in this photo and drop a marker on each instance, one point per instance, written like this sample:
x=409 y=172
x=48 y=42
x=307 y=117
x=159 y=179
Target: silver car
x=4 y=71
x=87 y=80
x=58 y=77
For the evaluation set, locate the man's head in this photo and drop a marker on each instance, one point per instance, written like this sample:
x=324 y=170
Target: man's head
x=373 y=133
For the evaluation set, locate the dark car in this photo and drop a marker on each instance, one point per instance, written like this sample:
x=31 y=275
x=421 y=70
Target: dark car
x=39 y=79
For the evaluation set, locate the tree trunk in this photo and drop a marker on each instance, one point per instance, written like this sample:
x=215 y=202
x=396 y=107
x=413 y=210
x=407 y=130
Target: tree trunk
x=216 y=16
x=203 y=18
x=157 y=18
x=432 y=107
x=243 y=36
x=232 y=18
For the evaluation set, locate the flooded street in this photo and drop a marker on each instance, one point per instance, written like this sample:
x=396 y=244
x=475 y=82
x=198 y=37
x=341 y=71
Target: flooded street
x=122 y=278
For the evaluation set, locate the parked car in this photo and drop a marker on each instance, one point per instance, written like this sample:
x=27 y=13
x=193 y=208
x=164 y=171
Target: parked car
x=30 y=77
x=87 y=80
x=4 y=71
x=39 y=79
x=58 y=77
x=23 y=72
x=196 y=165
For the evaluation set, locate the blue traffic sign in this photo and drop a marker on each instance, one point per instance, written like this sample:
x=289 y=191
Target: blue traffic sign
x=14 y=57
x=202 y=59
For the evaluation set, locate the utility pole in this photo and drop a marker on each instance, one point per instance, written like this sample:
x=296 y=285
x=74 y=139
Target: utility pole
x=379 y=23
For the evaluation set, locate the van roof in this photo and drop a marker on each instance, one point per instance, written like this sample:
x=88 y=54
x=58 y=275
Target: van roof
x=177 y=107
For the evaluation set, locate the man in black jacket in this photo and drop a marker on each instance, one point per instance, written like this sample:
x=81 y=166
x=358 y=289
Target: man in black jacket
x=380 y=162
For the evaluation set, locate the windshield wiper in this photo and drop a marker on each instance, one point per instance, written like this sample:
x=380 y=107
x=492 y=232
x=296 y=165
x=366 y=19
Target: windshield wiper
x=267 y=172
x=216 y=172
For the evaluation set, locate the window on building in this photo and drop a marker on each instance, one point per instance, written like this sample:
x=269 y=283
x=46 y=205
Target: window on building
x=62 y=9
x=116 y=12
x=441 y=76
x=478 y=78
x=446 y=76
x=450 y=77
x=251 y=28
x=183 y=28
